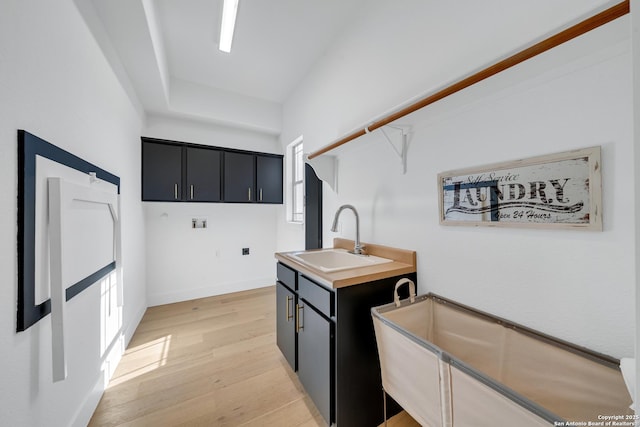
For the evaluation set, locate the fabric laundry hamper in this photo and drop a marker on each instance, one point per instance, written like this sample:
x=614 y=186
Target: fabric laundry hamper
x=447 y=364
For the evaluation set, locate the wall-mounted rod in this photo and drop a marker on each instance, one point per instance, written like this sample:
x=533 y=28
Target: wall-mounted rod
x=570 y=33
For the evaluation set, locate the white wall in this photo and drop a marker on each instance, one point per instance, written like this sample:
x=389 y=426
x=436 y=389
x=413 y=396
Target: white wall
x=635 y=48
x=183 y=263
x=241 y=111
x=575 y=285
x=56 y=83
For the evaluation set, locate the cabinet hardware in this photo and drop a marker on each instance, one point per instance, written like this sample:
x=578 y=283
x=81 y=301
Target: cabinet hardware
x=299 y=327
x=175 y=191
x=249 y=193
x=191 y=191
x=289 y=314
x=261 y=194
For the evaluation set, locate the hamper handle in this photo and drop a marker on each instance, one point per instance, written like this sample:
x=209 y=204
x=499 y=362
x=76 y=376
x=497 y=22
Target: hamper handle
x=412 y=291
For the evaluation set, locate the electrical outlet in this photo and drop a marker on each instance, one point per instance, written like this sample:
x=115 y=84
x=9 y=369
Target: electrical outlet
x=245 y=251
x=199 y=223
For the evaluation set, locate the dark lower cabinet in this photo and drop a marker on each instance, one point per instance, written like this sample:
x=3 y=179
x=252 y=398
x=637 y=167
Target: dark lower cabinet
x=161 y=172
x=315 y=359
x=239 y=177
x=337 y=357
x=286 y=302
x=203 y=166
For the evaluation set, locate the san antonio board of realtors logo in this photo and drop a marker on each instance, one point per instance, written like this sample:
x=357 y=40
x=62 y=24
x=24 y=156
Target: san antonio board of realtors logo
x=554 y=192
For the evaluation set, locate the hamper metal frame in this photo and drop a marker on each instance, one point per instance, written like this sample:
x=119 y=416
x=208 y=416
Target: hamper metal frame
x=451 y=360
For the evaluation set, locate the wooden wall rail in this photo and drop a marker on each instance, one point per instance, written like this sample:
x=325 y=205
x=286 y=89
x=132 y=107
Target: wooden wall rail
x=582 y=27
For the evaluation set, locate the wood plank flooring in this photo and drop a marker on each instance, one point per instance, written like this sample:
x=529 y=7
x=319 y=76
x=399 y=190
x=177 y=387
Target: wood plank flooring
x=209 y=362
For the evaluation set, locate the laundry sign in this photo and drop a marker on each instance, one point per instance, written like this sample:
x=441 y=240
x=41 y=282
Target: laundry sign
x=555 y=191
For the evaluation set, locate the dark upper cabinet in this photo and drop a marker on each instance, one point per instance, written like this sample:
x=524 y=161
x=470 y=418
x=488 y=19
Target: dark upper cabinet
x=173 y=171
x=203 y=167
x=239 y=177
x=269 y=179
x=161 y=172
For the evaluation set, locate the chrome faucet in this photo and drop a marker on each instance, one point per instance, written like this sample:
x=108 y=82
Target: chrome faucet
x=358 y=247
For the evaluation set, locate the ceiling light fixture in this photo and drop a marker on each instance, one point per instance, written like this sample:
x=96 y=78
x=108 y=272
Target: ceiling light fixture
x=229 y=11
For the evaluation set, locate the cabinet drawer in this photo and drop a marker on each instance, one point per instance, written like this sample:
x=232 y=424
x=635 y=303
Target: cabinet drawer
x=316 y=295
x=287 y=276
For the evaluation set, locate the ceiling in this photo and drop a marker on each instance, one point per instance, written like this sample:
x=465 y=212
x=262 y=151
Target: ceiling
x=167 y=52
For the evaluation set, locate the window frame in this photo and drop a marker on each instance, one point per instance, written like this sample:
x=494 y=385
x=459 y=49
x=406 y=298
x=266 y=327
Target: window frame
x=295 y=152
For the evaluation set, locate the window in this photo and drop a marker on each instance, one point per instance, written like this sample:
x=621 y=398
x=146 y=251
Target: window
x=295 y=182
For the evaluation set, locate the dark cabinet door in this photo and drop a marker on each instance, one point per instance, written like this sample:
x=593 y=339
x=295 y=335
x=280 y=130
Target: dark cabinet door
x=286 y=324
x=161 y=172
x=173 y=171
x=239 y=177
x=203 y=174
x=315 y=347
x=269 y=179
x=312 y=209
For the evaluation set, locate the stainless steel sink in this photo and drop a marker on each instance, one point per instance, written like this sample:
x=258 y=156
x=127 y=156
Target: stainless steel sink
x=329 y=260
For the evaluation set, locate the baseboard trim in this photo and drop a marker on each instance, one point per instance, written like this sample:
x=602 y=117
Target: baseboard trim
x=208 y=291
x=88 y=407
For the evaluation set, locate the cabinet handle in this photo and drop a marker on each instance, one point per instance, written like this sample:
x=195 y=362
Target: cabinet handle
x=289 y=314
x=261 y=194
x=191 y=191
x=175 y=191
x=299 y=326
x=249 y=193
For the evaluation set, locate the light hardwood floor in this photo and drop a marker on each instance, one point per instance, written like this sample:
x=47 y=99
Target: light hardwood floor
x=209 y=362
